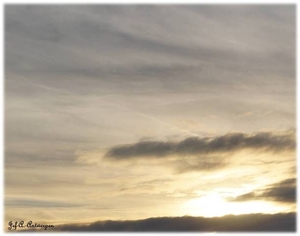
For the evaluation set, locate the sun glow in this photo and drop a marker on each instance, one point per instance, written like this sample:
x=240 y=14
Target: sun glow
x=213 y=205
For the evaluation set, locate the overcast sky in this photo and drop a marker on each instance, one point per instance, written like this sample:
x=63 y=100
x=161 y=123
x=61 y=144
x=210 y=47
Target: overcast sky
x=128 y=112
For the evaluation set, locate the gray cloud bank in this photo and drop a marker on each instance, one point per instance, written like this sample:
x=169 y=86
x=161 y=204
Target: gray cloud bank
x=284 y=191
x=204 y=146
x=200 y=154
x=230 y=223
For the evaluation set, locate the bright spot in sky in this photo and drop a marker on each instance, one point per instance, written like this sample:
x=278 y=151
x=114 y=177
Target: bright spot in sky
x=213 y=205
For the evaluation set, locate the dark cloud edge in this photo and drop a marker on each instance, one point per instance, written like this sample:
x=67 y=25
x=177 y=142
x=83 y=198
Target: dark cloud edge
x=284 y=191
x=227 y=143
x=203 y=153
x=281 y=222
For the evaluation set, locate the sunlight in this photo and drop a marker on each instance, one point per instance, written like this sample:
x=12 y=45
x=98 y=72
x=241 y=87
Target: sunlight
x=212 y=205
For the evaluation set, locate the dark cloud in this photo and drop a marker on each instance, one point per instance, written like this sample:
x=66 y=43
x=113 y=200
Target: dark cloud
x=284 y=191
x=240 y=223
x=201 y=154
x=205 y=146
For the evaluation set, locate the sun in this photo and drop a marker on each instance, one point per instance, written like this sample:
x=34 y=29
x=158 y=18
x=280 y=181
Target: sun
x=213 y=205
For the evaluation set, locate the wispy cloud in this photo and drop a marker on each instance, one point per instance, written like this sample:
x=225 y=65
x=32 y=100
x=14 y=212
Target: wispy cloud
x=37 y=203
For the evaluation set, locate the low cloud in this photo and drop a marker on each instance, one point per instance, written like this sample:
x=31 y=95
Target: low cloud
x=208 y=153
x=231 y=223
x=284 y=191
x=194 y=146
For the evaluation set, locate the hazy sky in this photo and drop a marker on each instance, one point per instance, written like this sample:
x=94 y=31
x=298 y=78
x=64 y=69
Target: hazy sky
x=129 y=112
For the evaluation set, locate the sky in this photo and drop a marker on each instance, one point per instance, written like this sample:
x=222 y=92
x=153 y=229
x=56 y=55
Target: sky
x=126 y=112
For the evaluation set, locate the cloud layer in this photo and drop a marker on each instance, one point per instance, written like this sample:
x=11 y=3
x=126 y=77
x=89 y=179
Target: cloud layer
x=230 y=223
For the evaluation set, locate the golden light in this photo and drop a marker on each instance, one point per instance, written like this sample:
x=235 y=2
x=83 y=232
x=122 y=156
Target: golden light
x=213 y=205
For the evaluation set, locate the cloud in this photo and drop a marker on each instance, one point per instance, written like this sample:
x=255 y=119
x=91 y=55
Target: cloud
x=129 y=34
x=208 y=153
x=284 y=191
x=32 y=203
x=231 y=223
x=90 y=51
x=204 y=146
x=74 y=72
x=201 y=154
